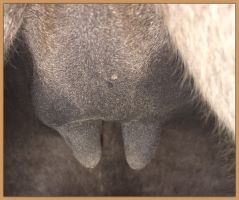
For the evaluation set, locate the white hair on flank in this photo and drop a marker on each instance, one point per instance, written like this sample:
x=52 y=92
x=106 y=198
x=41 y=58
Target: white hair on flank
x=13 y=18
x=205 y=36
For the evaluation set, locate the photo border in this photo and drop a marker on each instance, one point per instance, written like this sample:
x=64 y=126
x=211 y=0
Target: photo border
x=113 y=1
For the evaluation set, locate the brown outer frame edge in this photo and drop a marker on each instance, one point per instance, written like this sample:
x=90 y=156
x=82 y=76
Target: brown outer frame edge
x=116 y=1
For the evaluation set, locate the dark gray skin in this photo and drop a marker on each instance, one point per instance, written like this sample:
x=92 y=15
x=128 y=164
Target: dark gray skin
x=190 y=159
x=95 y=63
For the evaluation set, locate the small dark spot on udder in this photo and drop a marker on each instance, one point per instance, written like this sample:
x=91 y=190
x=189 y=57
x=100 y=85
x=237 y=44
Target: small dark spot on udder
x=110 y=85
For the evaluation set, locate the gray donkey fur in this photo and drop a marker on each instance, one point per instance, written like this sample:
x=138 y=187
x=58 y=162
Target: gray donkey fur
x=95 y=63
